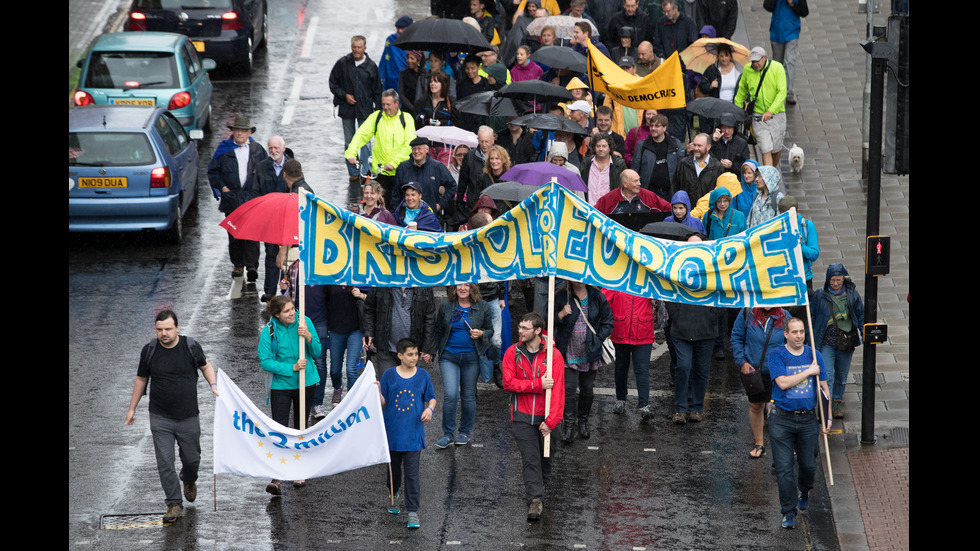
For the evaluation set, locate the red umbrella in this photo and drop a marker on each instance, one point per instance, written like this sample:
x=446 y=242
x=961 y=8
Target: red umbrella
x=271 y=218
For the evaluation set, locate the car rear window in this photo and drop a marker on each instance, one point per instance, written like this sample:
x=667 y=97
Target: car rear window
x=132 y=70
x=109 y=149
x=181 y=4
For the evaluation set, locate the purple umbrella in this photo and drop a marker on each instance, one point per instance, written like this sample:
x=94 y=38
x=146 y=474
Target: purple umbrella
x=539 y=174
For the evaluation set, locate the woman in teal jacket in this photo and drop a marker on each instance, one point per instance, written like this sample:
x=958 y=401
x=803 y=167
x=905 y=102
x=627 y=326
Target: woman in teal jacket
x=279 y=355
x=722 y=219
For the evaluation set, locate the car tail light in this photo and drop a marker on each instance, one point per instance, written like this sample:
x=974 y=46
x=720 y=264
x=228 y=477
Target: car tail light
x=230 y=21
x=137 y=21
x=180 y=99
x=160 y=177
x=83 y=98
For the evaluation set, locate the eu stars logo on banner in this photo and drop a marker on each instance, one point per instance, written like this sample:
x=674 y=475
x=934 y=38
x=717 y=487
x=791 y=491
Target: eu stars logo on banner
x=248 y=442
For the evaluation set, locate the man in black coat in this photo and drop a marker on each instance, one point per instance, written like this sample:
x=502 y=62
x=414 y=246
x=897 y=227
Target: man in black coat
x=232 y=174
x=730 y=149
x=698 y=172
x=355 y=83
x=269 y=178
x=630 y=16
x=720 y=14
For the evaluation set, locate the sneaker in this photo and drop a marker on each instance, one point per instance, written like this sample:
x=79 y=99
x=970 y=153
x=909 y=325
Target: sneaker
x=804 y=501
x=695 y=417
x=790 y=100
x=174 y=512
x=274 y=488
x=789 y=521
x=190 y=491
x=462 y=440
x=338 y=393
x=838 y=409
x=393 y=507
x=645 y=414
x=319 y=412
x=443 y=442
x=534 y=510
x=620 y=407
x=679 y=418
x=413 y=520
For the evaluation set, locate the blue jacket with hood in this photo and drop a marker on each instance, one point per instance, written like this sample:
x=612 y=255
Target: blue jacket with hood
x=732 y=223
x=823 y=304
x=689 y=221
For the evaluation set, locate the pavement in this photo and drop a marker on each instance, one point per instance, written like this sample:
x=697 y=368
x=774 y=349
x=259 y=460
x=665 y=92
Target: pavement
x=870 y=495
x=870 y=492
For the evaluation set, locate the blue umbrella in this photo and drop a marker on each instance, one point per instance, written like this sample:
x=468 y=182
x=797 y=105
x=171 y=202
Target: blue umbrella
x=539 y=174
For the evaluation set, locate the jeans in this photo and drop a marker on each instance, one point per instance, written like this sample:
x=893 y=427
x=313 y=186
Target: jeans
x=351 y=344
x=786 y=54
x=641 y=370
x=459 y=372
x=321 y=361
x=691 y=374
x=838 y=366
x=350 y=127
x=486 y=363
x=789 y=433
x=407 y=463
x=187 y=435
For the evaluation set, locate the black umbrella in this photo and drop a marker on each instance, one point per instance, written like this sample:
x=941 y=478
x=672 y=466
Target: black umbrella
x=445 y=35
x=549 y=121
x=559 y=57
x=637 y=220
x=513 y=192
x=668 y=230
x=714 y=108
x=487 y=103
x=536 y=90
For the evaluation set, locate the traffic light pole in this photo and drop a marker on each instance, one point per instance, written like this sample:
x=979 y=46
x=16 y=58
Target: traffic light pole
x=878 y=66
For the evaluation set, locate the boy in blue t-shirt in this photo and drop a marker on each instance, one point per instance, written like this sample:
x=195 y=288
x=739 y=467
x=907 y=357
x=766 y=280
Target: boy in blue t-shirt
x=404 y=388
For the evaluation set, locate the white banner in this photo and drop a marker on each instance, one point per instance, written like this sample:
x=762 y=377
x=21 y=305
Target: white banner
x=250 y=443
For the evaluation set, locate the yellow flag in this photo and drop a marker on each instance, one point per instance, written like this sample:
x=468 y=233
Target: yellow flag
x=661 y=89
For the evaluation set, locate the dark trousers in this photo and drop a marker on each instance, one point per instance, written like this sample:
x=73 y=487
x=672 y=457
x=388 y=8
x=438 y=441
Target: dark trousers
x=282 y=401
x=243 y=253
x=387 y=183
x=640 y=356
x=535 y=467
x=406 y=464
x=272 y=272
x=584 y=381
x=186 y=434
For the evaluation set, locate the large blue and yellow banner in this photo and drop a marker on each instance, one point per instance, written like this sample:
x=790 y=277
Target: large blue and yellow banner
x=553 y=232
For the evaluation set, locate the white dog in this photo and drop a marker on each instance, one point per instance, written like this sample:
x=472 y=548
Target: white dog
x=796 y=159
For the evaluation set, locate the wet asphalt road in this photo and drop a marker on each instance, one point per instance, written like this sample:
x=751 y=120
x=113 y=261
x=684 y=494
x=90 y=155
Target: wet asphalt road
x=631 y=486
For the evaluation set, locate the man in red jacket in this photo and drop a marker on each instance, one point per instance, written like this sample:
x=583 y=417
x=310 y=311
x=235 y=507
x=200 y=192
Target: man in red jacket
x=525 y=374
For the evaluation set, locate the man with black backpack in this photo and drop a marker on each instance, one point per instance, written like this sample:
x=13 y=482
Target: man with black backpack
x=172 y=361
x=393 y=132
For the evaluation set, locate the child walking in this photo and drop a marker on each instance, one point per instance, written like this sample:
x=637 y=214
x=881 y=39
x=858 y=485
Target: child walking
x=404 y=389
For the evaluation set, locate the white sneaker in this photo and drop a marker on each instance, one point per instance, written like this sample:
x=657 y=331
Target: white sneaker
x=319 y=412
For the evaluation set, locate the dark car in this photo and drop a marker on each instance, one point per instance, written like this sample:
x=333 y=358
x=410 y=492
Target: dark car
x=227 y=31
x=130 y=168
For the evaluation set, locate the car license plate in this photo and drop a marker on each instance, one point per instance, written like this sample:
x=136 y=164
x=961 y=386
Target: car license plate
x=198 y=45
x=101 y=183
x=146 y=101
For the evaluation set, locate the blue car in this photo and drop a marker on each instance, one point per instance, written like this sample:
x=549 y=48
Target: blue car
x=130 y=168
x=159 y=69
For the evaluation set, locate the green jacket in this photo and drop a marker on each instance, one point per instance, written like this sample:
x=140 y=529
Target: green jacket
x=772 y=96
x=391 y=140
x=279 y=360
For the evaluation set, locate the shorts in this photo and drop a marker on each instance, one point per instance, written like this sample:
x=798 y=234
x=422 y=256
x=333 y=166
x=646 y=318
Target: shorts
x=766 y=394
x=769 y=135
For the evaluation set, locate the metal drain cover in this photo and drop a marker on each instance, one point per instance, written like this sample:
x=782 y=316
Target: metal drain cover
x=127 y=522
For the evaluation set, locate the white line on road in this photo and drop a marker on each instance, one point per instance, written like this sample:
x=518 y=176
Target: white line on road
x=310 y=35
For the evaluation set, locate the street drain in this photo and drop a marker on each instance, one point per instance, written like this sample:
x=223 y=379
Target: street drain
x=128 y=522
